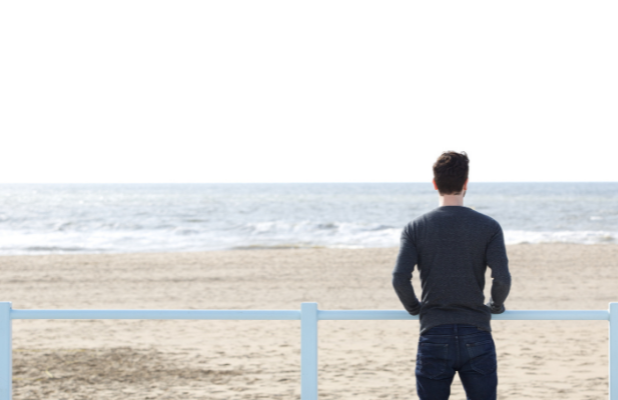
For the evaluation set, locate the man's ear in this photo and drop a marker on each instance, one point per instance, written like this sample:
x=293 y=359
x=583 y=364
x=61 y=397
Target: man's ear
x=434 y=184
x=465 y=186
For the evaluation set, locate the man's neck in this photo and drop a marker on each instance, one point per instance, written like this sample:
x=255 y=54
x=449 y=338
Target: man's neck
x=452 y=199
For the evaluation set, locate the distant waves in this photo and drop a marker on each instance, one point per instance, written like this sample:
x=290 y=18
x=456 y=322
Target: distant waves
x=270 y=234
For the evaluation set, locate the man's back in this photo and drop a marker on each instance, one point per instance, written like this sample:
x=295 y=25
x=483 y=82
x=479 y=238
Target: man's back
x=452 y=246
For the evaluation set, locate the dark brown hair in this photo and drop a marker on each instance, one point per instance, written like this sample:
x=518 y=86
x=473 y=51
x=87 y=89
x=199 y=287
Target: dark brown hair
x=451 y=171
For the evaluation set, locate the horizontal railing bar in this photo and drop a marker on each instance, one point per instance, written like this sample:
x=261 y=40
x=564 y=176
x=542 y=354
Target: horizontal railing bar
x=364 y=315
x=554 y=315
x=159 y=314
x=564 y=315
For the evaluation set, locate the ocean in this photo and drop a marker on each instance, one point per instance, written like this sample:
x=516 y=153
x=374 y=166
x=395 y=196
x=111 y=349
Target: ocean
x=118 y=218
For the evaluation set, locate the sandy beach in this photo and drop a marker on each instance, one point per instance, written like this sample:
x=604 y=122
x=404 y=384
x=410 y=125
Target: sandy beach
x=86 y=359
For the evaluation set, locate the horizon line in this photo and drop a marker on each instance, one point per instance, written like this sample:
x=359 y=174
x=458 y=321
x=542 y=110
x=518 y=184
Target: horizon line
x=270 y=183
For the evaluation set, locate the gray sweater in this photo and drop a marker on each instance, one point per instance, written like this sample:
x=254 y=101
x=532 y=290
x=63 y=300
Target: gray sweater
x=452 y=246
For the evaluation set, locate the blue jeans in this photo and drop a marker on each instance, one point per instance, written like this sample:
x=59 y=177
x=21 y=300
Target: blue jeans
x=444 y=349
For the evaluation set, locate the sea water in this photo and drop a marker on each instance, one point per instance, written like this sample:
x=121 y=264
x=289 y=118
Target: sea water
x=95 y=218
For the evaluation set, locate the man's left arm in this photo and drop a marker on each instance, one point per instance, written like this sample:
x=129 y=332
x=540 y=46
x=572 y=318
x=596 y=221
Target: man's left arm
x=402 y=274
x=499 y=263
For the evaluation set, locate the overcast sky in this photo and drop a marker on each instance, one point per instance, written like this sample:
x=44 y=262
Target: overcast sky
x=311 y=91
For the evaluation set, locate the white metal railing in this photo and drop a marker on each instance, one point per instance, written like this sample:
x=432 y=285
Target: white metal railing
x=309 y=315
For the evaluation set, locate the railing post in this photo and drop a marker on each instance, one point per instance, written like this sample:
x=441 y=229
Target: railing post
x=6 y=363
x=613 y=351
x=308 y=351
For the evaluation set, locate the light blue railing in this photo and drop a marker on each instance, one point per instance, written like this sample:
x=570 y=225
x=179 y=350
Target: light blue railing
x=309 y=315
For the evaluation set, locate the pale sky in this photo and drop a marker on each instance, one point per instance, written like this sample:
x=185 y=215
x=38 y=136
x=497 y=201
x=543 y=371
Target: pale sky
x=311 y=91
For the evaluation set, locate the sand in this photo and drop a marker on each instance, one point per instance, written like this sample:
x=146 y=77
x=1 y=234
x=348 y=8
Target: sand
x=134 y=359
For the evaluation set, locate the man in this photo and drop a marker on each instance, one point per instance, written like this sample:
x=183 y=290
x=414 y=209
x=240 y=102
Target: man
x=452 y=246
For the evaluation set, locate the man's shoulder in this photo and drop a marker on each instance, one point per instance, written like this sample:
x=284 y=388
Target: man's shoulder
x=483 y=217
x=423 y=218
x=422 y=221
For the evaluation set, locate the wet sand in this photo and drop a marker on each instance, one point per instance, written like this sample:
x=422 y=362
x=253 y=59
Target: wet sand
x=134 y=359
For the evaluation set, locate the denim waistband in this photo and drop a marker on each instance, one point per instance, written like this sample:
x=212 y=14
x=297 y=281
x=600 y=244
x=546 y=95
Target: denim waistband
x=454 y=329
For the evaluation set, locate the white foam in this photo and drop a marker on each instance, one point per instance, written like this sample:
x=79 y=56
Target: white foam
x=267 y=234
x=583 y=237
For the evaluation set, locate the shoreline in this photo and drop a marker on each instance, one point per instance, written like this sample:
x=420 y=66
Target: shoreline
x=276 y=248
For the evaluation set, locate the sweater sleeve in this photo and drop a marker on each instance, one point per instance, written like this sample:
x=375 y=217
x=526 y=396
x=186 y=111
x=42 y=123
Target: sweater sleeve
x=402 y=274
x=499 y=264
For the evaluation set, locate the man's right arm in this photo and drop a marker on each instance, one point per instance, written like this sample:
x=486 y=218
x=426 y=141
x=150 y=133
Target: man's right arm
x=402 y=274
x=499 y=264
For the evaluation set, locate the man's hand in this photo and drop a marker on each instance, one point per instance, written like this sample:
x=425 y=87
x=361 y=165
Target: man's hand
x=495 y=309
x=415 y=310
